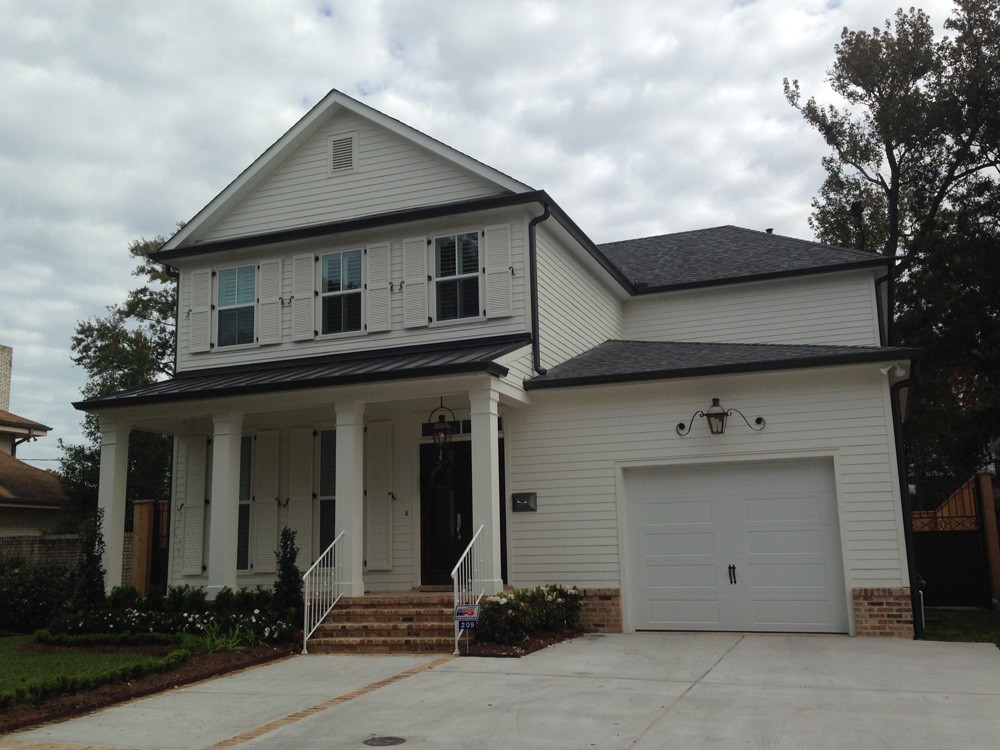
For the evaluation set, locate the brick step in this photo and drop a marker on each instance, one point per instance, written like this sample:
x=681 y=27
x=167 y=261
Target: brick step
x=390 y=614
x=415 y=600
x=380 y=645
x=384 y=630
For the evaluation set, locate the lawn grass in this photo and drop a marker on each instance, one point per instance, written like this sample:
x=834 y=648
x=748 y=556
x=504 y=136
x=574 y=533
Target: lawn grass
x=22 y=668
x=968 y=625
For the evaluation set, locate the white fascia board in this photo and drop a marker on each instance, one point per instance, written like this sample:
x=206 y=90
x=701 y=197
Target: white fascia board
x=302 y=131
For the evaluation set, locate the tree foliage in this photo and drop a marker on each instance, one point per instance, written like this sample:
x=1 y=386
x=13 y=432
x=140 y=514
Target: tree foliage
x=915 y=149
x=130 y=346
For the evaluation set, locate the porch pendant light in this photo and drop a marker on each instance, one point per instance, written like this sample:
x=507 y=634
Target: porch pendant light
x=441 y=429
x=716 y=416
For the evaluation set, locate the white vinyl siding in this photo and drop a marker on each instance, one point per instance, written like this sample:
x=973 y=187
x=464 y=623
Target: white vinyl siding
x=823 y=309
x=576 y=311
x=570 y=446
x=389 y=174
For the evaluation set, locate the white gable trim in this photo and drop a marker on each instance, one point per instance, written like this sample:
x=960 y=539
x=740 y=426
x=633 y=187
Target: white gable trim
x=333 y=102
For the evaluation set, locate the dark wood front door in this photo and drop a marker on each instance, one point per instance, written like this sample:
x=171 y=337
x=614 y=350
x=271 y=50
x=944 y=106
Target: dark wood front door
x=445 y=509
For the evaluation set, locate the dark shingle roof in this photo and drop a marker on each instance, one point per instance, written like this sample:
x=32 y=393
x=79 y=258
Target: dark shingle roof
x=726 y=254
x=475 y=355
x=21 y=483
x=625 y=361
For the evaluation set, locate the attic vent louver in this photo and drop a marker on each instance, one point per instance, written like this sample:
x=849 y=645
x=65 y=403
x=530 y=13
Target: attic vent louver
x=342 y=153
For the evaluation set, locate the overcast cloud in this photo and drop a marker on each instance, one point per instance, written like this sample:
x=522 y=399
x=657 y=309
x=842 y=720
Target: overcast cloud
x=119 y=119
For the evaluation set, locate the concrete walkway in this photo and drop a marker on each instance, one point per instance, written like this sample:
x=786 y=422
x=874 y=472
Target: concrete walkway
x=645 y=691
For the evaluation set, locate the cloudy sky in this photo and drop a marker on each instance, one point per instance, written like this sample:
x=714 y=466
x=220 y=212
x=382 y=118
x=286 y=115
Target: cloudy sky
x=118 y=119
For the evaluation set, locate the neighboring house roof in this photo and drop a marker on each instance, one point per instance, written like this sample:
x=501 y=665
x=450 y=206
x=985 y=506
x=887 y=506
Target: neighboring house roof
x=626 y=361
x=23 y=485
x=727 y=254
x=452 y=358
x=20 y=424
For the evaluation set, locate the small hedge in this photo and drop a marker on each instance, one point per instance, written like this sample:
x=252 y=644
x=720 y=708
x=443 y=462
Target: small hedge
x=66 y=684
x=115 y=639
x=508 y=617
x=32 y=593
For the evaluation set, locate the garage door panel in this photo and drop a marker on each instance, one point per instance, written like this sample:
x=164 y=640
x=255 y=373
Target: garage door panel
x=678 y=544
x=680 y=613
x=775 y=522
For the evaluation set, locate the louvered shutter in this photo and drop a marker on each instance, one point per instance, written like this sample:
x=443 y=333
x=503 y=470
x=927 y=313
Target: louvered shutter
x=303 y=297
x=498 y=272
x=265 y=509
x=193 y=521
x=377 y=287
x=269 y=303
x=415 y=282
x=200 y=312
x=378 y=503
x=300 y=491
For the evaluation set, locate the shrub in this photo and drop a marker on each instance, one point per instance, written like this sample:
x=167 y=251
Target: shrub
x=508 y=617
x=89 y=591
x=31 y=594
x=288 y=598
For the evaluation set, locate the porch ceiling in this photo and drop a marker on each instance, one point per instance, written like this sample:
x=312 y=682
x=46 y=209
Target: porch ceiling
x=471 y=356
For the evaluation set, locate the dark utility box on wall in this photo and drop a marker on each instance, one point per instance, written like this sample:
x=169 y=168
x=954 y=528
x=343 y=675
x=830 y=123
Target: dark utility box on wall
x=522 y=502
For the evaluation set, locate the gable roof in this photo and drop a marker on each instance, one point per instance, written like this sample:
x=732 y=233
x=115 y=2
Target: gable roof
x=619 y=361
x=334 y=102
x=726 y=255
x=24 y=483
x=449 y=358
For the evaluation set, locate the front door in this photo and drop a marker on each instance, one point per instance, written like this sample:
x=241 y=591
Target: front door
x=445 y=509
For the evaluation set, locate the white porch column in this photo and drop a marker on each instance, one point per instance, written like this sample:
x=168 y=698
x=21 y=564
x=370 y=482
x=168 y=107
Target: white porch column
x=349 y=514
x=111 y=496
x=486 y=482
x=224 y=507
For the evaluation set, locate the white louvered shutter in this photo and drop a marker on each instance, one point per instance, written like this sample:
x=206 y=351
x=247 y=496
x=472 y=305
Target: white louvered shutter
x=377 y=287
x=415 y=282
x=193 y=510
x=303 y=298
x=269 y=303
x=300 y=492
x=265 y=509
x=378 y=503
x=496 y=252
x=200 y=312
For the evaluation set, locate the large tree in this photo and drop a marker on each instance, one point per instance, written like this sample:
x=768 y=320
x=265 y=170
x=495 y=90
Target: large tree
x=130 y=346
x=915 y=147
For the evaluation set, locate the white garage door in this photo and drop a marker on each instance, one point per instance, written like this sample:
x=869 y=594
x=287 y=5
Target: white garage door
x=750 y=547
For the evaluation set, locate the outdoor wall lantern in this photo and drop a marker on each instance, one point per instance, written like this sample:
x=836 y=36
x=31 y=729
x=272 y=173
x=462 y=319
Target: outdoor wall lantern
x=716 y=417
x=441 y=430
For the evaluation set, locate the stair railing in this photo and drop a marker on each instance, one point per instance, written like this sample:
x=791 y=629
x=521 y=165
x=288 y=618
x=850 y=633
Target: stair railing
x=467 y=578
x=322 y=588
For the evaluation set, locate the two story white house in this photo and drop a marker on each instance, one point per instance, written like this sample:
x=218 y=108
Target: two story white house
x=360 y=281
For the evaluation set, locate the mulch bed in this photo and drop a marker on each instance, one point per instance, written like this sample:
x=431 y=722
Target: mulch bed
x=198 y=667
x=202 y=667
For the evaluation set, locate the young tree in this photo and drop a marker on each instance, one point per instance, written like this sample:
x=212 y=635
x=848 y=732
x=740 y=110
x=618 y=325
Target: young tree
x=132 y=345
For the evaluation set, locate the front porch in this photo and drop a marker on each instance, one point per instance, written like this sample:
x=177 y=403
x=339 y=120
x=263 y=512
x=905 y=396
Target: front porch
x=322 y=462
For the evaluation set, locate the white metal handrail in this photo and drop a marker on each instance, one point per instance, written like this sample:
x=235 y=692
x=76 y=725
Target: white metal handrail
x=322 y=588
x=467 y=578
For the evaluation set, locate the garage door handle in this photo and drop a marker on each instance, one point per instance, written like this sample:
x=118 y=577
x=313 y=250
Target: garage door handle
x=732 y=574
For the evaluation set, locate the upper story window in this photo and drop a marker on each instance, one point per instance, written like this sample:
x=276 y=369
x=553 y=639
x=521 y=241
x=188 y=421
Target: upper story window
x=457 y=276
x=340 y=292
x=236 y=297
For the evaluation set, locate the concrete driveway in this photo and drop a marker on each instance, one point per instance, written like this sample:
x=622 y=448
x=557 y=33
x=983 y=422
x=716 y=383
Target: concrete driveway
x=644 y=691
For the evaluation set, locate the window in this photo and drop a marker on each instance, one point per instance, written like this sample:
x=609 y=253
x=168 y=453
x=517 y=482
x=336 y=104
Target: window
x=340 y=292
x=456 y=276
x=243 y=523
x=237 y=293
x=327 y=487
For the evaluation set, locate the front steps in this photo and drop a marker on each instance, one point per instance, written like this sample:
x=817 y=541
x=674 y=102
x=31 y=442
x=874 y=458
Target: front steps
x=408 y=622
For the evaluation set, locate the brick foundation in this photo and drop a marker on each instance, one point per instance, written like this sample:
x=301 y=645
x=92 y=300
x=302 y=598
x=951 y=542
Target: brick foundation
x=883 y=613
x=602 y=611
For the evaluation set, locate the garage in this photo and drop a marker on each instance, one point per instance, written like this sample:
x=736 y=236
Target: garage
x=751 y=546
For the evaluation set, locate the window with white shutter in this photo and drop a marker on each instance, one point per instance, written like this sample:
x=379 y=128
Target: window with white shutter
x=340 y=291
x=236 y=297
